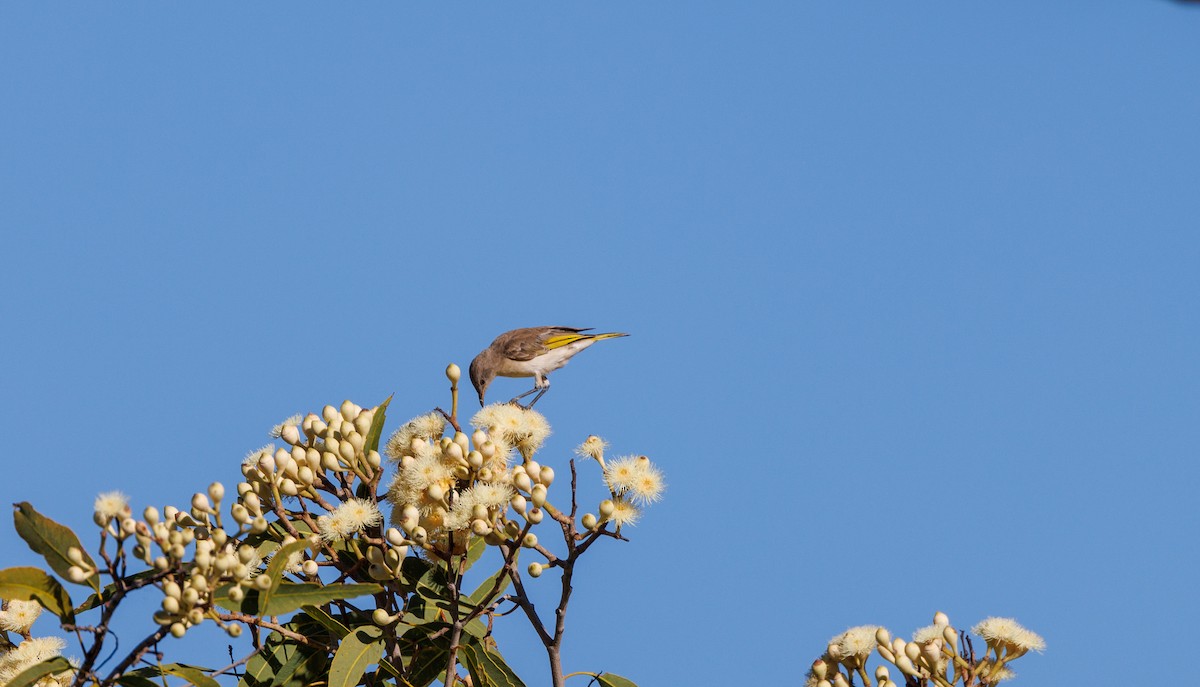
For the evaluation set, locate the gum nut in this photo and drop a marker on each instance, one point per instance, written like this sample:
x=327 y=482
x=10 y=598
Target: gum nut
x=475 y=460
x=362 y=423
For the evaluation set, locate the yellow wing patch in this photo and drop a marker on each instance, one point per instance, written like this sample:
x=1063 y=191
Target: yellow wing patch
x=561 y=340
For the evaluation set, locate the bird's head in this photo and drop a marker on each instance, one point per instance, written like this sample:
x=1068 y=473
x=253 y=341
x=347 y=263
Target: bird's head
x=481 y=376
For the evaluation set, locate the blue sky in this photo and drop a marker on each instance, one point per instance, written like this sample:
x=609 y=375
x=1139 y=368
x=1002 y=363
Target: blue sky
x=911 y=288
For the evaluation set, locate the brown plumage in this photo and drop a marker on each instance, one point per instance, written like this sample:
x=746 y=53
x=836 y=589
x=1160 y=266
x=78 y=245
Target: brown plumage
x=530 y=352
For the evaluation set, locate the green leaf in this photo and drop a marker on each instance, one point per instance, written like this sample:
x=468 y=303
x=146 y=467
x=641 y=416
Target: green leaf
x=371 y=441
x=283 y=663
x=487 y=666
x=328 y=621
x=359 y=649
x=134 y=680
x=192 y=674
x=30 y=676
x=475 y=551
x=610 y=680
x=480 y=596
x=275 y=573
x=426 y=658
x=290 y=597
x=34 y=583
x=51 y=540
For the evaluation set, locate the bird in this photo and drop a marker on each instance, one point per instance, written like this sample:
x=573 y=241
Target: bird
x=530 y=352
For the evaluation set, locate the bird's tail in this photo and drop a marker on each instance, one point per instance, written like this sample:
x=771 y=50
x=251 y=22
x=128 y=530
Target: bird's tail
x=564 y=339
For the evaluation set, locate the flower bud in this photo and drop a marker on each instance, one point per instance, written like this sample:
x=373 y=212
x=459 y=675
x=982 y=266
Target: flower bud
x=547 y=475
x=200 y=503
x=588 y=521
x=75 y=555
x=178 y=630
x=480 y=527
x=538 y=495
x=951 y=637
x=940 y=618
x=362 y=423
x=290 y=434
x=216 y=492
x=479 y=437
x=374 y=459
x=530 y=540
x=535 y=569
x=912 y=650
x=535 y=515
x=233 y=630
x=150 y=514
x=350 y=410
x=534 y=470
x=305 y=475
x=820 y=669
x=129 y=526
x=518 y=503
x=288 y=488
x=839 y=680
x=475 y=460
x=170 y=605
x=436 y=492
x=453 y=373
x=881 y=674
x=381 y=618
x=259 y=525
x=521 y=481
x=882 y=637
x=262 y=582
x=606 y=508
x=310 y=567
x=237 y=594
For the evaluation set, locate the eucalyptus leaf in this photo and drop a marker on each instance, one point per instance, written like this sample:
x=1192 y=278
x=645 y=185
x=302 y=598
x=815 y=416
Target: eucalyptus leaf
x=28 y=583
x=31 y=675
x=611 y=680
x=486 y=666
x=358 y=650
x=52 y=541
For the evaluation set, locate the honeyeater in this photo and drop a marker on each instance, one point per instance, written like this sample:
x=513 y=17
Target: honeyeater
x=530 y=352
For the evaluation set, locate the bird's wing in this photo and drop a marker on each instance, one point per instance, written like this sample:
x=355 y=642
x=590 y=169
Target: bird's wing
x=529 y=343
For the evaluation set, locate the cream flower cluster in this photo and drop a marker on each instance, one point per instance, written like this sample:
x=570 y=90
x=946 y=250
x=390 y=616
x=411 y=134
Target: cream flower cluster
x=447 y=488
x=335 y=441
x=932 y=655
x=197 y=551
x=29 y=653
